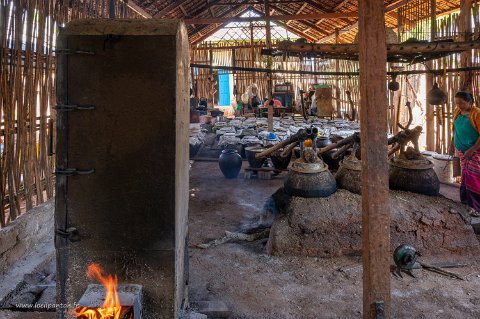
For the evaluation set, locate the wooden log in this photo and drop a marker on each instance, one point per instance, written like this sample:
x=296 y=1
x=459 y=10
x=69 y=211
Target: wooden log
x=401 y=48
x=375 y=195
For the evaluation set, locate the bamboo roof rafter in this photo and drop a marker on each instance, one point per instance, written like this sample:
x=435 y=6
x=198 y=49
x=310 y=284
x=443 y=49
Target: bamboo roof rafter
x=311 y=19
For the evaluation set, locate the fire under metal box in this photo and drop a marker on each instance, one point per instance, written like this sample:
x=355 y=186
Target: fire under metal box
x=130 y=297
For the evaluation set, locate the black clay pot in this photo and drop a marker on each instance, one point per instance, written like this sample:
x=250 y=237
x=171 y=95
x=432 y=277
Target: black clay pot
x=323 y=141
x=254 y=162
x=394 y=85
x=405 y=175
x=279 y=161
x=436 y=96
x=333 y=163
x=230 y=163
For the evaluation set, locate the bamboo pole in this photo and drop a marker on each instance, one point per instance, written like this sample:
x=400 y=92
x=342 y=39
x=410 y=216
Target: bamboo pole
x=269 y=74
x=465 y=28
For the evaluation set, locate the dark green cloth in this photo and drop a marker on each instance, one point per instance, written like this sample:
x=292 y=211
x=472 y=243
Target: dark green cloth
x=465 y=135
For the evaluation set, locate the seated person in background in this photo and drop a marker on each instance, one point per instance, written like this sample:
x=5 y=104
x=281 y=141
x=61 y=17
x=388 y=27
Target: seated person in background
x=312 y=100
x=276 y=103
x=254 y=99
x=203 y=104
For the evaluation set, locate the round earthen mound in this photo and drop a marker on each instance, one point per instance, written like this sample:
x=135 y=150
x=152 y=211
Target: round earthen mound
x=332 y=226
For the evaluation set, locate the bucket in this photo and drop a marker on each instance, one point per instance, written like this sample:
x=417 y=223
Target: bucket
x=443 y=166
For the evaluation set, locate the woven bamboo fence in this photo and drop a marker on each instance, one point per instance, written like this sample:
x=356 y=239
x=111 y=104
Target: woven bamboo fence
x=28 y=30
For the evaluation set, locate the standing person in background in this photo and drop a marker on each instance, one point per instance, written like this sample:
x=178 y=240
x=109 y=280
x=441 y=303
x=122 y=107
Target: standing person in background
x=253 y=98
x=212 y=89
x=466 y=139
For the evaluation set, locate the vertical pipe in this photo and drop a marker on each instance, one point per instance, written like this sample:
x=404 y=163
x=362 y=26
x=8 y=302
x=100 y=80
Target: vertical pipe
x=375 y=193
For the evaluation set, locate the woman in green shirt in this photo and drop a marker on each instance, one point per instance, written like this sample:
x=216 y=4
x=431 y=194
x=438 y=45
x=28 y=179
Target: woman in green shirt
x=466 y=139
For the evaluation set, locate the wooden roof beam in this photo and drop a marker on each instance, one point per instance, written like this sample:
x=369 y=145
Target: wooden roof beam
x=400 y=48
x=300 y=33
x=259 y=2
x=284 y=17
x=299 y=10
x=138 y=9
x=306 y=23
x=169 y=8
x=219 y=26
x=352 y=26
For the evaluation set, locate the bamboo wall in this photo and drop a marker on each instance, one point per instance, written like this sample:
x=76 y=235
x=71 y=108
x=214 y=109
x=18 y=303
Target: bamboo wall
x=28 y=30
x=245 y=56
x=412 y=87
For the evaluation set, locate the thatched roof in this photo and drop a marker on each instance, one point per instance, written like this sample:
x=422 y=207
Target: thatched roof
x=317 y=29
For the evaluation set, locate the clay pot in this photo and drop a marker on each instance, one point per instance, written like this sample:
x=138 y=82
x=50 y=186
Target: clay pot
x=230 y=163
x=254 y=162
x=280 y=162
x=323 y=141
x=436 y=96
x=309 y=180
x=393 y=85
x=349 y=175
x=194 y=116
x=333 y=163
x=415 y=176
x=194 y=149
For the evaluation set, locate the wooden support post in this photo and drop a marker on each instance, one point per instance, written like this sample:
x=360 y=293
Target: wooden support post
x=465 y=29
x=375 y=193
x=252 y=48
x=430 y=109
x=337 y=81
x=269 y=80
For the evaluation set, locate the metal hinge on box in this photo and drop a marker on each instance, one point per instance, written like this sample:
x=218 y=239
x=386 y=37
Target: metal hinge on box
x=74 y=107
x=70 y=233
x=71 y=51
x=73 y=171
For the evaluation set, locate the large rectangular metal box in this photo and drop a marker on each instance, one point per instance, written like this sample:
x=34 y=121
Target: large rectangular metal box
x=122 y=158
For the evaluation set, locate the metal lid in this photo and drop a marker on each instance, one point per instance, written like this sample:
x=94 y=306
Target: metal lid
x=443 y=157
x=421 y=164
x=351 y=164
x=308 y=168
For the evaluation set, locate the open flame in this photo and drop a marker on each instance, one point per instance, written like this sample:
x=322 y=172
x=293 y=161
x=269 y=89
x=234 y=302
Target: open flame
x=111 y=308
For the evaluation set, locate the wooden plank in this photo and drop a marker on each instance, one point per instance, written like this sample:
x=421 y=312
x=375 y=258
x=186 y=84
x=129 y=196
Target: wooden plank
x=375 y=193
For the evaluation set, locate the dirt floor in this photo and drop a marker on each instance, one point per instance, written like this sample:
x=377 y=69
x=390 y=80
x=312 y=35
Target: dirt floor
x=256 y=285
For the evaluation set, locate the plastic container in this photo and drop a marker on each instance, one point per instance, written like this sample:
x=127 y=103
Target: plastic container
x=443 y=166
